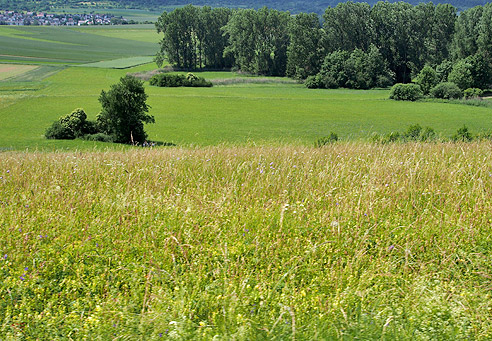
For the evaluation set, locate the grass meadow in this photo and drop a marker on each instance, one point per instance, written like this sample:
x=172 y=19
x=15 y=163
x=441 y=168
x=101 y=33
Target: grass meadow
x=353 y=240
x=242 y=230
x=231 y=114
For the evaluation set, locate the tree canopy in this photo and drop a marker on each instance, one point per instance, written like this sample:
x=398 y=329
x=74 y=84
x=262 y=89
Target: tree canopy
x=124 y=111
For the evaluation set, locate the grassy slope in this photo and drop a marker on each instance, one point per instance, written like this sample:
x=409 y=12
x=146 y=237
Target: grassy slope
x=240 y=113
x=353 y=240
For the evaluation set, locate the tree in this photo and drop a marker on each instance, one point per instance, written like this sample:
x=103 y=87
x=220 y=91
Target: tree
x=306 y=51
x=124 y=111
x=258 y=40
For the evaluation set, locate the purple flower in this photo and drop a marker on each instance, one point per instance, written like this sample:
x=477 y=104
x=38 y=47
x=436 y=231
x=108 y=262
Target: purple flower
x=26 y=206
x=5 y=256
x=20 y=230
x=22 y=278
x=391 y=247
x=160 y=334
x=26 y=269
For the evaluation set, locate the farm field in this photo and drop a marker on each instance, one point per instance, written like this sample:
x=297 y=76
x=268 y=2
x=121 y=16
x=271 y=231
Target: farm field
x=242 y=113
x=353 y=240
x=67 y=46
x=9 y=70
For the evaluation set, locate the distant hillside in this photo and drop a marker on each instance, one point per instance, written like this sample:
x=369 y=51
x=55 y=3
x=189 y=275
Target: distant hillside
x=316 y=6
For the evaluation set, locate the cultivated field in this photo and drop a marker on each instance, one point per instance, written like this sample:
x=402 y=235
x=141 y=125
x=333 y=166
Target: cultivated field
x=64 y=45
x=348 y=241
x=9 y=70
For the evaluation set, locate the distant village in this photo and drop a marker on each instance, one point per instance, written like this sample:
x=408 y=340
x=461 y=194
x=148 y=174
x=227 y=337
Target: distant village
x=14 y=18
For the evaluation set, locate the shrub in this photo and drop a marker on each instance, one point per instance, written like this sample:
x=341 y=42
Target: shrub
x=472 y=93
x=446 y=90
x=462 y=135
x=101 y=137
x=405 y=92
x=71 y=126
x=461 y=74
x=333 y=137
x=59 y=132
x=428 y=134
x=417 y=133
x=427 y=79
x=312 y=82
x=413 y=132
x=178 y=80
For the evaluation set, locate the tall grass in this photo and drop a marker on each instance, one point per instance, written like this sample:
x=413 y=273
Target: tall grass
x=349 y=240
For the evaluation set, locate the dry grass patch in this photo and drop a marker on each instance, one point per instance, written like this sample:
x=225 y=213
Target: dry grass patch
x=13 y=70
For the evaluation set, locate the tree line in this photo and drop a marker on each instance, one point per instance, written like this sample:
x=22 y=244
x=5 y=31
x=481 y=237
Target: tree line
x=352 y=45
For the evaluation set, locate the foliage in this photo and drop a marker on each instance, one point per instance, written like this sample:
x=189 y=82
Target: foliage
x=414 y=133
x=446 y=90
x=71 y=126
x=417 y=133
x=356 y=70
x=472 y=93
x=178 y=80
x=59 y=132
x=405 y=92
x=124 y=111
x=463 y=134
x=322 y=141
x=427 y=79
x=443 y=70
x=258 y=40
x=306 y=47
x=193 y=37
x=101 y=137
x=461 y=75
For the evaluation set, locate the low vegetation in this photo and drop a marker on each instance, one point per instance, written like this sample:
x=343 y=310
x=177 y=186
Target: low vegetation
x=177 y=80
x=239 y=243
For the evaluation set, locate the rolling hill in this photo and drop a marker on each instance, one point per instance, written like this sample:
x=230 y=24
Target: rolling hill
x=317 y=6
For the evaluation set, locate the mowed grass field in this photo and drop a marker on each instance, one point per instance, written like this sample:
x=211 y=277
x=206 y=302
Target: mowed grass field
x=350 y=241
x=244 y=113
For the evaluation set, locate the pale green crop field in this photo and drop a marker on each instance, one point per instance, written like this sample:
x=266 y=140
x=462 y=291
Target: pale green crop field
x=64 y=45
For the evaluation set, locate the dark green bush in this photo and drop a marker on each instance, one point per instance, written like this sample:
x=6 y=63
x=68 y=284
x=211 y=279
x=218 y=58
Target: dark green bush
x=312 y=82
x=59 y=132
x=472 y=93
x=71 y=126
x=417 y=133
x=446 y=90
x=178 y=80
x=462 y=135
x=333 y=137
x=406 y=92
x=101 y=137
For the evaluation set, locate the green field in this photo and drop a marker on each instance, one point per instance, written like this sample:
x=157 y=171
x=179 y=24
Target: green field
x=243 y=113
x=63 y=45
